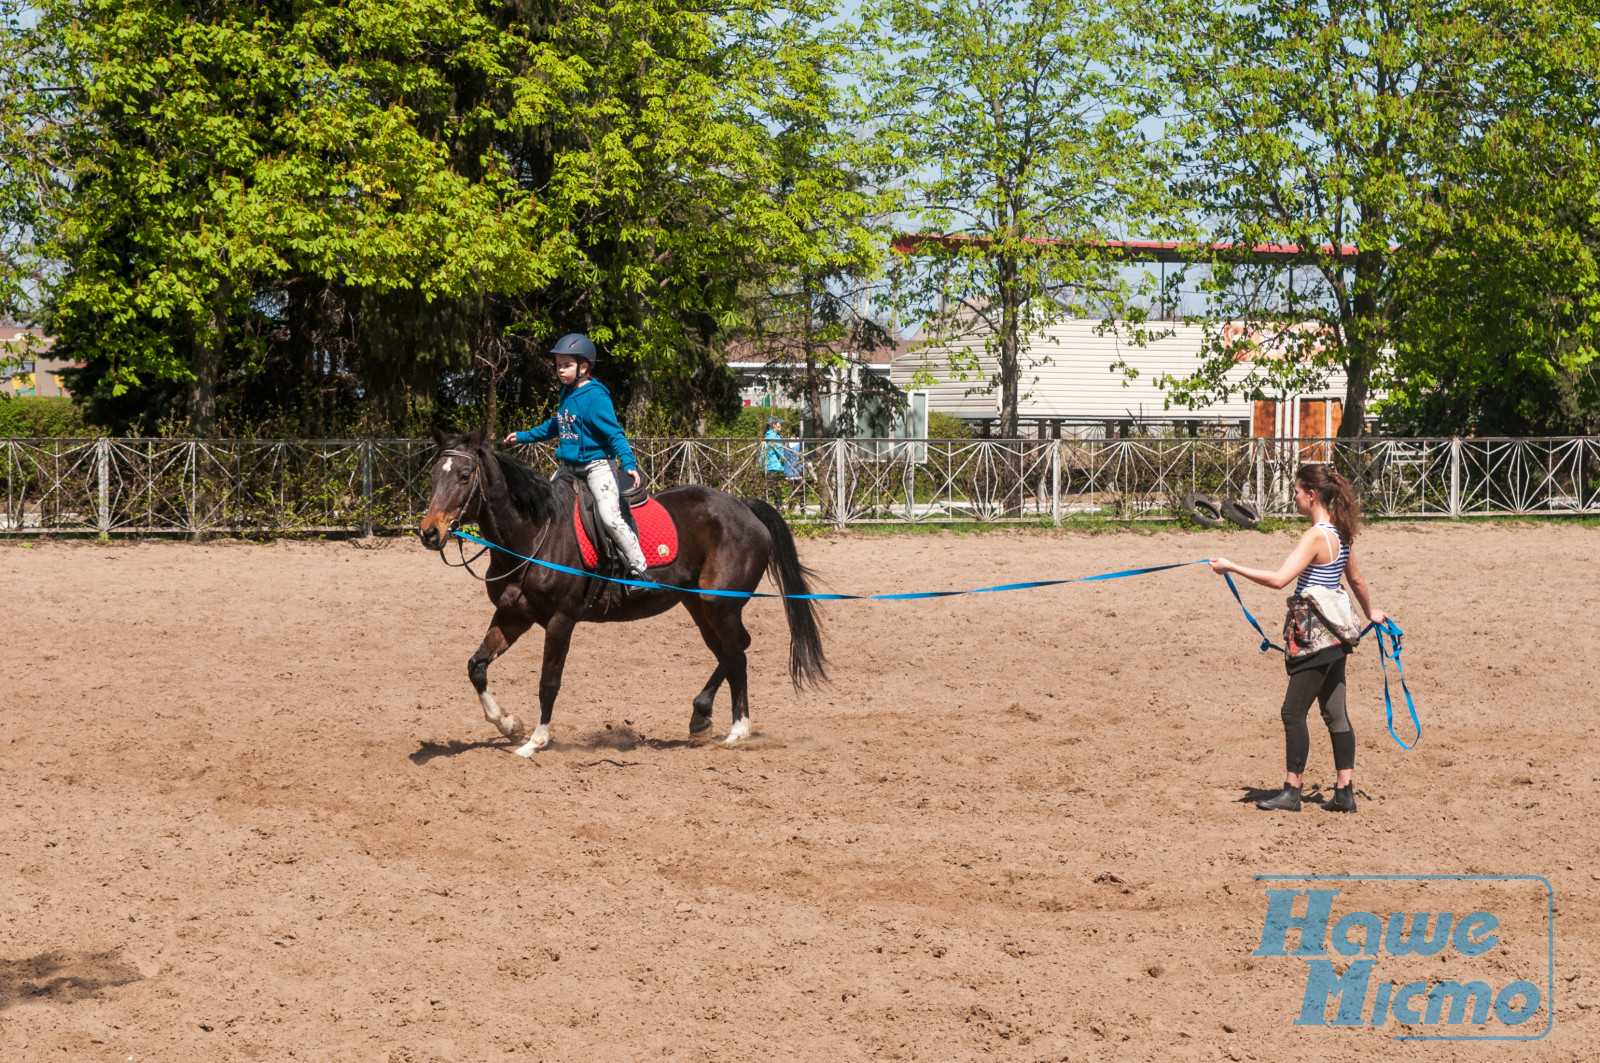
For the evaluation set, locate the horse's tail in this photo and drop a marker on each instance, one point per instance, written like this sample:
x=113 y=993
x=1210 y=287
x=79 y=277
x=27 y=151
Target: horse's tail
x=807 y=663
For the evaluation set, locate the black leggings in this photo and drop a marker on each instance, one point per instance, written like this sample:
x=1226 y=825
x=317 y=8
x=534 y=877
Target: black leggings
x=1325 y=685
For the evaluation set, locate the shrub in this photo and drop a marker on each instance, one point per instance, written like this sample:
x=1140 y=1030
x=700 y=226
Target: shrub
x=43 y=416
x=943 y=426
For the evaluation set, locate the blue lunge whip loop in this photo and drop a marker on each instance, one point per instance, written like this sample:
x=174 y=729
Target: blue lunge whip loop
x=906 y=597
x=1392 y=629
x=1388 y=627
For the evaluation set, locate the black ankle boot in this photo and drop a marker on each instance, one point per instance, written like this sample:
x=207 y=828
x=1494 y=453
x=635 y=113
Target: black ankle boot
x=1344 y=799
x=1287 y=801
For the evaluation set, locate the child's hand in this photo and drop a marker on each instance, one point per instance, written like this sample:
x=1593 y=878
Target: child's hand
x=636 y=481
x=511 y=437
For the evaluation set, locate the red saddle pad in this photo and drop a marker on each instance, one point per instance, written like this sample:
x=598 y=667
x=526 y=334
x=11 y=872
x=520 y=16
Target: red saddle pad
x=658 y=536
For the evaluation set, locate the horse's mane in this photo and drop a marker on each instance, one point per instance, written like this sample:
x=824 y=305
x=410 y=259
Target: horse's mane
x=531 y=495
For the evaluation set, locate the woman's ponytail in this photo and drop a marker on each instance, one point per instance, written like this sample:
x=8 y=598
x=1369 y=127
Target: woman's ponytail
x=1337 y=494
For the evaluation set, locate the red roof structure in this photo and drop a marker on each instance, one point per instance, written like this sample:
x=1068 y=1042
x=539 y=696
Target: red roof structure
x=1155 y=250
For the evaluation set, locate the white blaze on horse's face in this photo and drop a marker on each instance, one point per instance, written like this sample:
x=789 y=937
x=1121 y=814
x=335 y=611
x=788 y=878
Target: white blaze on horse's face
x=452 y=491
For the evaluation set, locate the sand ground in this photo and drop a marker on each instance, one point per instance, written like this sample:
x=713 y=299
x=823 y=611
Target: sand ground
x=249 y=809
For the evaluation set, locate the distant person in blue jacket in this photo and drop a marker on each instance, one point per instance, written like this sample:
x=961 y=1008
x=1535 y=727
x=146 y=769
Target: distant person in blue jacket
x=777 y=474
x=586 y=423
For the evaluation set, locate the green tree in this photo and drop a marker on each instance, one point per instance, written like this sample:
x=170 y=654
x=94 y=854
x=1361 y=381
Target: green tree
x=1503 y=321
x=808 y=311
x=685 y=166
x=1331 y=125
x=310 y=205
x=206 y=153
x=1010 y=133
x=28 y=107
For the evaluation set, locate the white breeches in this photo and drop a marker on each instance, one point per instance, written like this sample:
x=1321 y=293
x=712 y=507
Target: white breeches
x=608 y=501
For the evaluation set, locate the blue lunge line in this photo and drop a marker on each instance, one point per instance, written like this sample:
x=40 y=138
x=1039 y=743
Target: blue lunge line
x=1266 y=643
x=1388 y=627
x=906 y=597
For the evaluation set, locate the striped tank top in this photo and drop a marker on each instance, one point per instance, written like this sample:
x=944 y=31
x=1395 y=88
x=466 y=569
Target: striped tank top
x=1327 y=575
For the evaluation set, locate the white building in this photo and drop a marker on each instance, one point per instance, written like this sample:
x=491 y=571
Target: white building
x=1072 y=378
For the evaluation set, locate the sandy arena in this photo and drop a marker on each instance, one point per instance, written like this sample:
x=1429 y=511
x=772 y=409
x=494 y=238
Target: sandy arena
x=252 y=809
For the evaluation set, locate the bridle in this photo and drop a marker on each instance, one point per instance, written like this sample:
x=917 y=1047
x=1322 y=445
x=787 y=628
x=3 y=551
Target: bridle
x=476 y=488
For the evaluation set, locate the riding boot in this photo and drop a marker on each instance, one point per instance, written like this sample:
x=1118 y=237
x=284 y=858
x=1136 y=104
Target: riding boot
x=645 y=576
x=1287 y=801
x=1344 y=799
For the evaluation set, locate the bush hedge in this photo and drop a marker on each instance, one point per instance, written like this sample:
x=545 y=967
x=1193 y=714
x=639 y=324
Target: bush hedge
x=42 y=416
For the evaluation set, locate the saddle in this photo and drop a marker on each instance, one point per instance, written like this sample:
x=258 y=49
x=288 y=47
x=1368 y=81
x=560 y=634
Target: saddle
x=658 y=536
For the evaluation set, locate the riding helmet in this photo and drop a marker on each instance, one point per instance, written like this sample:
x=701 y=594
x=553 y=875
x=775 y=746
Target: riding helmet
x=576 y=344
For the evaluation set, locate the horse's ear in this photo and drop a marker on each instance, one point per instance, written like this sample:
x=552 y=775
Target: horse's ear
x=475 y=437
x=440 y=436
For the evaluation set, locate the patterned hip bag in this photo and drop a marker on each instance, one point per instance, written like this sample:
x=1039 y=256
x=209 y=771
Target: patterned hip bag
x=1318 y=618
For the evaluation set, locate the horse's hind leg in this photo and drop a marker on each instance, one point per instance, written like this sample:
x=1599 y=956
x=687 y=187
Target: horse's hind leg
x=700 y=722
x=502 y=634
x=557 y=638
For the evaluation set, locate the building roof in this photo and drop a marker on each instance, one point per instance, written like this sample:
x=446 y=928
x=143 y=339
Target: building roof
x=1154 y=250
x=16 y=338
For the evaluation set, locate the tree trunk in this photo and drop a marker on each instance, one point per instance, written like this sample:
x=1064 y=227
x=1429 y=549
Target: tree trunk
x=491 y=408
x=813 y=384
x=1010 y=346
x=639 y=403
x=1364 y=338
x=302 y=342
x=207 y=368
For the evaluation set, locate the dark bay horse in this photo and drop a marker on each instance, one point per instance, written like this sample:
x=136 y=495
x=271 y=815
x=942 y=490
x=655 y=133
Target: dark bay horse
x=724 y=543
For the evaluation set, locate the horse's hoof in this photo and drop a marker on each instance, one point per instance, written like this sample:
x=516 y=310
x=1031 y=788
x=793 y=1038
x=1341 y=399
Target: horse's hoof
x=740 y=729
x=699 y=725
x=540 y=739
x=510 y=726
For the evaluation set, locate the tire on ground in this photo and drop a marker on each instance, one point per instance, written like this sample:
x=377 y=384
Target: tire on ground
x=1202 y=509
x=1241 y=513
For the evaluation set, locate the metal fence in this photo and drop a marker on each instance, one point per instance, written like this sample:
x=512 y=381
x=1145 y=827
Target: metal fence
x=186 y=486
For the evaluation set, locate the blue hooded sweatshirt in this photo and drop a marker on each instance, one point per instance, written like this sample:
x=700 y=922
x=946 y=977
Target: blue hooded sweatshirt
x=586 y=423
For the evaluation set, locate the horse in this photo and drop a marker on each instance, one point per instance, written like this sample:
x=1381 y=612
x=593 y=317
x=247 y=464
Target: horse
x=724 y=543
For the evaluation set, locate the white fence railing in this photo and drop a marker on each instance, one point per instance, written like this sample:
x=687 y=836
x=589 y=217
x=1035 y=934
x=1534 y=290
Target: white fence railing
x=245 y=486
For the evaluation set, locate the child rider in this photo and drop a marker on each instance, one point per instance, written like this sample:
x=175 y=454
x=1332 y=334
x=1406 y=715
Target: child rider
x=586 y=423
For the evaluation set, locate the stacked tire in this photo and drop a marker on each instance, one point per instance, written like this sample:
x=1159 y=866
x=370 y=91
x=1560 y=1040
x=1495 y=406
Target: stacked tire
x=1207 y=512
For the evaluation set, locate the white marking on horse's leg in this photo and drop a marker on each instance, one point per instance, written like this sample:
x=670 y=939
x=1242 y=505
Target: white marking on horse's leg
x=491 y=707
x=540 y=739
x=507 y=723
x=740 y=729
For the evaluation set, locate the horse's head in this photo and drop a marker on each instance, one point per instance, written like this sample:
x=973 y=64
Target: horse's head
x=457 y=483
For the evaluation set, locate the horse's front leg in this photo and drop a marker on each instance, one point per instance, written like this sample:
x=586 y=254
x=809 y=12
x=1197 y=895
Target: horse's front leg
x=504 y=630
x=557 y=637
